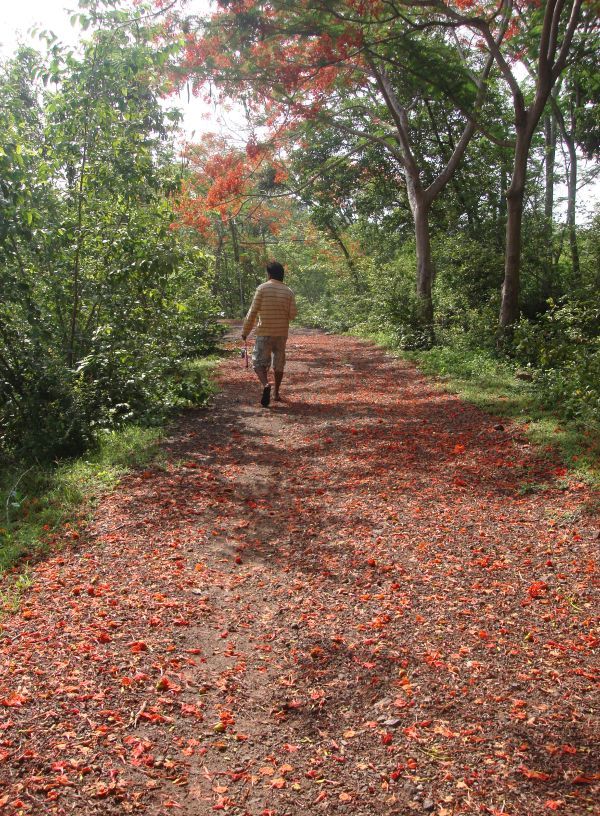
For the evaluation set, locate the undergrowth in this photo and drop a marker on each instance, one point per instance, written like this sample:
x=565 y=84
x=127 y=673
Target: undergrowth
x=42 y=505
x=40 y=500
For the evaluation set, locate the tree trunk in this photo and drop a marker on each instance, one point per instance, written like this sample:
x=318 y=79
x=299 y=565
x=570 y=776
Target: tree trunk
x=571 y=201
x=264 y=246
x=75 y=275
x=553 y=53
x=571 y=168
x=549 y=159
x=218 y=265
x=420 y=204
x=425 y=269
x=509 y=310
x=236 y=260
x=550 y=153
x=420 y=199
x=501 y=225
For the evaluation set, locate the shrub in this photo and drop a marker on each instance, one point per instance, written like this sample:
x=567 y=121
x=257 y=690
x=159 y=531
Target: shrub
x=563 y=350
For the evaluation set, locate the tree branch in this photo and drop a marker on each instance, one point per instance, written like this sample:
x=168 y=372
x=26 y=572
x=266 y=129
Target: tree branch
x=553 y=33
x=568 y=39
x=399 y=116
x=378 y=140
x=444 y=177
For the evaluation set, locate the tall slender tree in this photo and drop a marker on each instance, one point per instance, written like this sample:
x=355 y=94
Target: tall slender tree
x=544 y=34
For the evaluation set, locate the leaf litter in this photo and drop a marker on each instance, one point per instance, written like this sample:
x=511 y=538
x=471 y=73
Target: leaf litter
x=343 y=604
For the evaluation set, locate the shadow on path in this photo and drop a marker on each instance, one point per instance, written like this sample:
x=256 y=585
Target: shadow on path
x=370 y=598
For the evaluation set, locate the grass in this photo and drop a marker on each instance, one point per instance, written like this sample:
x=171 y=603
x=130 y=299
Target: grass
x=10 y=600
x=490 y=383
x=37 y=503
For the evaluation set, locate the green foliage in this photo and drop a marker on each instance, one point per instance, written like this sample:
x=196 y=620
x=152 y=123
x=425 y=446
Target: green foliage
x=378 y=300
x=469 y=270
x=589 y=241
x=44 y=504
x=336 y=307
x=101 y=303
x=563 y=348
x=394 y=309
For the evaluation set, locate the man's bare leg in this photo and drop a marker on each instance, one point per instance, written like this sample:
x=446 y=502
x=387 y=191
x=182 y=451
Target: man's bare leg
x=261 y=373
x=278 y=379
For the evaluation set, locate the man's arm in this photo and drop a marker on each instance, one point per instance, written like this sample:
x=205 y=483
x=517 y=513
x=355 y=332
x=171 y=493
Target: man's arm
x=252 y=315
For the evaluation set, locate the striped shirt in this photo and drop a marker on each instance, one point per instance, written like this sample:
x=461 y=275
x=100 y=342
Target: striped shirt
x=274 y=305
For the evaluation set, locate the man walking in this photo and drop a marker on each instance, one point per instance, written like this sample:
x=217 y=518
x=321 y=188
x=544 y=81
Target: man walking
x=275 y=306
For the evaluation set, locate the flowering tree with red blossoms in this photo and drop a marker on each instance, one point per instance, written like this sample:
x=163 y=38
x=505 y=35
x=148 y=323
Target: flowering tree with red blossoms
x=369 y=68
x=341 y=65
x=231 y=197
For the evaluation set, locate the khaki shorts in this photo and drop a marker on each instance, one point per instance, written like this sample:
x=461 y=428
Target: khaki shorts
x=269 y=349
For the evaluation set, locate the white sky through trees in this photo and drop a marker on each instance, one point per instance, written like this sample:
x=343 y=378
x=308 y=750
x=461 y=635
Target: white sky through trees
x=18 y=16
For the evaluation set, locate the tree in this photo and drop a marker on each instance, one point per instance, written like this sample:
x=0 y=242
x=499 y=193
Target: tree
x=234 y=200
x=372 y=71
x=575 y=109
x=544 y=33
x=99 y=298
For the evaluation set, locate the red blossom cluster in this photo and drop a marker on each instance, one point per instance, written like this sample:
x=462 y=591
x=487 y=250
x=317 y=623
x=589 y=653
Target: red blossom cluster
x=222 y=184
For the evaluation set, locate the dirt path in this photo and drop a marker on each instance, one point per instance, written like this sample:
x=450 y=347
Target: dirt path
x=346 y=604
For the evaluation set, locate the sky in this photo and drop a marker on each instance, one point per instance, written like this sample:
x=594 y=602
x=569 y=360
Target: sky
x=18 y=16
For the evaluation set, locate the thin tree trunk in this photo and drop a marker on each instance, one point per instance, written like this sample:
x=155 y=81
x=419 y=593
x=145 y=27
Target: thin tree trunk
x=218 y=262
x=75 y=276
x=509 y=310
x=571 y=201
x=227 y=293
x=549 y=160
x=569 y=139
x=236 y=258
x=501 y=225
x=264 y=246
x=75 y=282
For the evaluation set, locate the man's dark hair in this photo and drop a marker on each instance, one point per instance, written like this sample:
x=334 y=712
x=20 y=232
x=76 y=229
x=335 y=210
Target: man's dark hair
x=275 y=270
